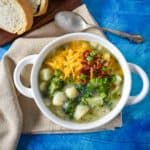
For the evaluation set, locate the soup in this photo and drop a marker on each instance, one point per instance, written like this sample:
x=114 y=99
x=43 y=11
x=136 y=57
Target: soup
x=80 y=81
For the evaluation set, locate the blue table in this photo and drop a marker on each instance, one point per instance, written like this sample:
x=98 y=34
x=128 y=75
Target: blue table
x=131 y=16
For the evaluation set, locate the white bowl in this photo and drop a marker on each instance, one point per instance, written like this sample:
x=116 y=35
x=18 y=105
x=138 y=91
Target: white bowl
x=37 y=60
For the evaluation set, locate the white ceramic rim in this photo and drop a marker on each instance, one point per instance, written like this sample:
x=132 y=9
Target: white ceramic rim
x=89 y=37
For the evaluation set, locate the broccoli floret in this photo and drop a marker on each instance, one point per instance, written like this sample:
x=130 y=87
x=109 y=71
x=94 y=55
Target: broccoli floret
x=100 y=86
x=94 y=83
x=97 y=82
x=69 y=107
x=57 y=73
x=55 y=84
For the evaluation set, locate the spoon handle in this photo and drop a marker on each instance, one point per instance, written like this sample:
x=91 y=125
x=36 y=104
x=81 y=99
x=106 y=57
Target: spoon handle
x=132 y=37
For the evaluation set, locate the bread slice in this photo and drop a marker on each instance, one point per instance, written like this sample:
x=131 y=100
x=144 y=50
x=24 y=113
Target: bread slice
x=16 y=16
x=39 y=6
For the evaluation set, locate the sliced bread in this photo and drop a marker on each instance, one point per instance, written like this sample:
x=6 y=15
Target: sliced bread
x=16 y=16
x=39 y=6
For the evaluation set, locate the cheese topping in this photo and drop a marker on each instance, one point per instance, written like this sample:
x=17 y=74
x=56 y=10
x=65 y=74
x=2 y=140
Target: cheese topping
x=68 y=59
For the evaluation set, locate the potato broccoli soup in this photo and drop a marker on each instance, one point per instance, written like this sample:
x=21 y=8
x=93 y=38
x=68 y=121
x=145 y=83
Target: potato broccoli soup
x=80 y=81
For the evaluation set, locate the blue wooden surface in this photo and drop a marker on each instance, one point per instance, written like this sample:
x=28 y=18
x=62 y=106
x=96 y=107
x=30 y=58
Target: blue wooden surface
x=131 y=16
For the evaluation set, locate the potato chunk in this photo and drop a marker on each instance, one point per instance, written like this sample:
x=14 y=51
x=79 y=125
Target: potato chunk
x=59 y=98
x=80 y=111
x=118 y=79
x=71 y=92
x=43 y=86
x=45 y=74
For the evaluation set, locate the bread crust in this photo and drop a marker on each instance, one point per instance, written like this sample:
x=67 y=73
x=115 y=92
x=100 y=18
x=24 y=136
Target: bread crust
x=28 y=14
x=43 y=8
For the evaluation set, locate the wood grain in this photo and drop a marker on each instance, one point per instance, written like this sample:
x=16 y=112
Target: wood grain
x=54 y=7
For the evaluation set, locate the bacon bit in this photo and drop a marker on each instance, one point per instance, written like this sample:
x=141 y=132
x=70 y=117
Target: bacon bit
x=91 y=73
x=104 y=73
x=86 y=53
x=85 y=71
x=106 y=63
x=84 y=62
x=93 y=68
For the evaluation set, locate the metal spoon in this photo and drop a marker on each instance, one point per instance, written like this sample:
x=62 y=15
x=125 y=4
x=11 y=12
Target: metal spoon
x=72 y=22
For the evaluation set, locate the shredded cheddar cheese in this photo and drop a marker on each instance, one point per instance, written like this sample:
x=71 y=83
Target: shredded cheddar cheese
x=68 y=59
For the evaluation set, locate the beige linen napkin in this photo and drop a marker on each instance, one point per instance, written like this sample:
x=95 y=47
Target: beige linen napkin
x=18 y=113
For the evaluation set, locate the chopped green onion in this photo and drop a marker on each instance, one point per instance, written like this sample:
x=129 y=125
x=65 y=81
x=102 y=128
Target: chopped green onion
x=104 y=68
x=113 y=78
x=83 y=77
x=103 y=95
x=89 y=58
x=93 y=53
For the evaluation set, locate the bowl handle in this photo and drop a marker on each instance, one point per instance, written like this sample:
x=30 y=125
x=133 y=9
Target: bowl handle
x=145 y=88
x=20 y=87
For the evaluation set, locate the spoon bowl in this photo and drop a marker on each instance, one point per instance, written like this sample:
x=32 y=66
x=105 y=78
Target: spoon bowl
x=70 y=22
